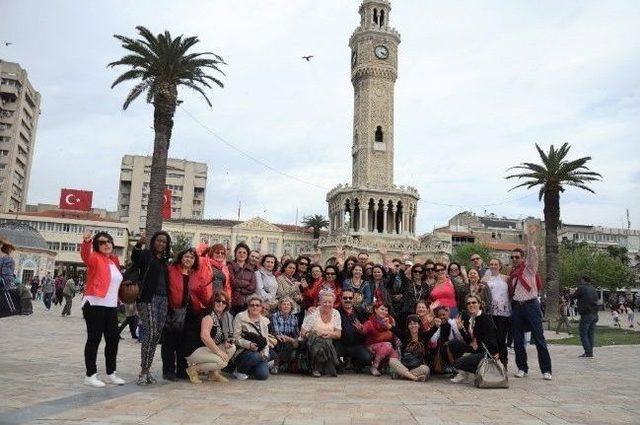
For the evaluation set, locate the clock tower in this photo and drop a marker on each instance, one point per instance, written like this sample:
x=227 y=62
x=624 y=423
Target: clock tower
x=374 y=69
x=372 y=212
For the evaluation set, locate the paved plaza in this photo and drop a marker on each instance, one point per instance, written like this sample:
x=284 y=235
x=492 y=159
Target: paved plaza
x=41 y=371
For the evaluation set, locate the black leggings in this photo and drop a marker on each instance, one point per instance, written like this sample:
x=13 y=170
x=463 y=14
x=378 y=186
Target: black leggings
x=503 y=324
x=468 y=363
x=101 y=321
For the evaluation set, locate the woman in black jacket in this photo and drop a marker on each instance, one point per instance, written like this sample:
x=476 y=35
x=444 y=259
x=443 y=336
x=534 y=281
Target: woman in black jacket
x=478 y=331
x=153 y=302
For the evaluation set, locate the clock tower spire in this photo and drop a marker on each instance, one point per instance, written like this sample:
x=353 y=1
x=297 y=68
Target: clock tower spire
x=374 y=69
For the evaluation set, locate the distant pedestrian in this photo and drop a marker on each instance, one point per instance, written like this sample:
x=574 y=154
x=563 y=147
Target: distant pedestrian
x=587 y=297
x=35 y=284
x=131 y=319
x=68 y=292
x=7 y=264
x=631 y=315
x=48 y=288
x=563 y=320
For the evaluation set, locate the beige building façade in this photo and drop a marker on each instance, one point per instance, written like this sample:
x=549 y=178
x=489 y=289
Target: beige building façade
x=186 y=179
x=19 y=113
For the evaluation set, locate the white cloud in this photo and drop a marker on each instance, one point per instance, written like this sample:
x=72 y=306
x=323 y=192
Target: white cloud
x=478 y=84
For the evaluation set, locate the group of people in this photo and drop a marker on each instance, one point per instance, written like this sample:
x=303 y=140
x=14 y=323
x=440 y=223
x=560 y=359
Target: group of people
x=54 y=291
x=253 y=315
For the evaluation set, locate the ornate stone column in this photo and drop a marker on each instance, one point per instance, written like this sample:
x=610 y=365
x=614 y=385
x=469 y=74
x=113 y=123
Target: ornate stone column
x=384 y=219
x=392 y=230
x=364 y=224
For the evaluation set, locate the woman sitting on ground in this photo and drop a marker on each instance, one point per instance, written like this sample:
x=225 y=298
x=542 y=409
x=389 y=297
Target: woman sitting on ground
x=478 y=332
x=211 y=349
x=250 y=334
x=286 y=331
x=320 y=328
x=412 y=364
x=379 y=337
x=425 y=315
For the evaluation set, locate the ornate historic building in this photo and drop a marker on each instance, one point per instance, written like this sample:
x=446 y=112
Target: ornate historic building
x=373 y=212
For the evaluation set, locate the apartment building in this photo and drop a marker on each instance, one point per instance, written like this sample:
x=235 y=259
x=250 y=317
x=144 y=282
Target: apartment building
x=19 y=112
x=186 y=179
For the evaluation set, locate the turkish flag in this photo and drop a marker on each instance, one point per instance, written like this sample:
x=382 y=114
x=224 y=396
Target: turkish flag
x=166 y=205
x=74 y=199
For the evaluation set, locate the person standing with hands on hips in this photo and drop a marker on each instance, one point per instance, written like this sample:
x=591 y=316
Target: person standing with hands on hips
x=99 y=305
x=153 y=303
x=526 y=315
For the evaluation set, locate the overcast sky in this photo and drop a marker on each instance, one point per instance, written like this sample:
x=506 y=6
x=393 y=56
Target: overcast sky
x=479 y=83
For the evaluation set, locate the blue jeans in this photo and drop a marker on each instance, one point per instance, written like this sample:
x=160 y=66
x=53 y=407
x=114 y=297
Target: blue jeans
x=251 y=363
x=587 y=332
x=527 y=317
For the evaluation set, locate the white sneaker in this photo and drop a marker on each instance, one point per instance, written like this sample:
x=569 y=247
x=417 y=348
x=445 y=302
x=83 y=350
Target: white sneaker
x=240 y=376
x=93 y=381
x=461 y=377
x=115 y=379
x=547 y=376
x=520 y=374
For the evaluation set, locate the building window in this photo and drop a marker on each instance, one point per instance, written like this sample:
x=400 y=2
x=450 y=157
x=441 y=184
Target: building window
x=379 y=135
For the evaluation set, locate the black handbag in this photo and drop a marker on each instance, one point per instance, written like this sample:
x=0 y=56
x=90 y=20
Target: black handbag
x=256 y=338
x=411 y=361
x=175 y=319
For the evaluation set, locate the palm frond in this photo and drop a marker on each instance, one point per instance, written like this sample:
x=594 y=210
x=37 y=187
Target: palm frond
x=134 y=93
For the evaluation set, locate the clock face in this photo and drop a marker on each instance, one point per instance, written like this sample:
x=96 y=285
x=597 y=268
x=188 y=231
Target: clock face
x=381 y=52
x=354 y=57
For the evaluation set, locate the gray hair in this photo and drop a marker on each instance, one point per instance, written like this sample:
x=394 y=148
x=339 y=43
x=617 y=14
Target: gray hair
x=253 y=297
x=326 y=293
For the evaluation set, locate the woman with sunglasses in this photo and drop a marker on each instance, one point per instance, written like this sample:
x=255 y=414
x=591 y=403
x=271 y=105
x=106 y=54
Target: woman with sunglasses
x=99 y=306
x=153 y=303
x=288 y=287
x=478 y=332
x=496 y=290
x=215 y=260
x=362 y=293
x=429 y=273
x=209 y=347
x=250 y=334
x=443 y=291
x=413 y=290
x=183 y=275
x=329 y=283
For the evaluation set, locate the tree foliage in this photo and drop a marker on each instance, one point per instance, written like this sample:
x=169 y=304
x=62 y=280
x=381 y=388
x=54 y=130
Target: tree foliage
x=606 y=272
x=180 y=242
x=462 y=253
x=317 y=221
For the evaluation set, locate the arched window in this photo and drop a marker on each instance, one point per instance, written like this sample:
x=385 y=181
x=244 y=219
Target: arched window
x=375 y=16
x=379 y=135
x=381 y=18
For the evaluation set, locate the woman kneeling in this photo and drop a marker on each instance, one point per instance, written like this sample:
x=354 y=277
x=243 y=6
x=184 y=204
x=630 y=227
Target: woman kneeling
x=478 y=331
x=212 y=352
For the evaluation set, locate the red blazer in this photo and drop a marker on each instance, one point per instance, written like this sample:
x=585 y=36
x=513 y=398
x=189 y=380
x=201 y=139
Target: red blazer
x=98 y=272
x=200 y=288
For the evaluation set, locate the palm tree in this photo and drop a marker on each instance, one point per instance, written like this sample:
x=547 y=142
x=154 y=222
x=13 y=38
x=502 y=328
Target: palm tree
x=160 y=64
x=553 y=175
x=316 y=221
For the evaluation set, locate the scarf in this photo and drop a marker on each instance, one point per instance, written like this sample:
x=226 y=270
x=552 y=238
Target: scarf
x=222 y=266
x=517 y=275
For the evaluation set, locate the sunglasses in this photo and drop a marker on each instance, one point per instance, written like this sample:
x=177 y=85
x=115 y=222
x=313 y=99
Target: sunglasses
x=472 y=302
x=104 y=241
x=219 y=252
x=221 y=302
x=515 y=257
x=430 y=269
x=417 y=271
x=347 y=298
x=439 y=270
x=303 y=264
x=255 y=305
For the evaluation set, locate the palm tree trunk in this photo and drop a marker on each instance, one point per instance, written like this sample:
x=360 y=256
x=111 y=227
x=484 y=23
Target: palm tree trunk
x=552 y=221
x=164 y=109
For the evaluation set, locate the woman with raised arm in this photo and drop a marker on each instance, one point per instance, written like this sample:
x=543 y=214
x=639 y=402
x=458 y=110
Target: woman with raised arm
x=153 y=302
x=99 y=305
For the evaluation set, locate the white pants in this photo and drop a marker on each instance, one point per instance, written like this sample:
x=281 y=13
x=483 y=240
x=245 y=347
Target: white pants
x=207 y=361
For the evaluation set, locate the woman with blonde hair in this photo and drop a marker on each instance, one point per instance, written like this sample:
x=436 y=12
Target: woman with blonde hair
x=320 y=328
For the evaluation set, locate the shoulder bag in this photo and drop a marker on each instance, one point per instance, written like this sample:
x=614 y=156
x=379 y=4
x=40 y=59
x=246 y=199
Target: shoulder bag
x=491 y=373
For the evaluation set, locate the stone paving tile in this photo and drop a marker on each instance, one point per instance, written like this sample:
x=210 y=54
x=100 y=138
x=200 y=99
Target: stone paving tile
x=41 y=370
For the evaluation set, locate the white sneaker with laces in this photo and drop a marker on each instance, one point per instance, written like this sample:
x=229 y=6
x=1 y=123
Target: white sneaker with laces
x=240 y=376
x=461 y=377
x=93 y=381
x=547 y=376
x=115 y=379
x=520 y=374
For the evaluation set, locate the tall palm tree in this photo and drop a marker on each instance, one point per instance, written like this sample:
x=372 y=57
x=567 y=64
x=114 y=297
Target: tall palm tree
x=316 y=221
x=160 y=64
x=555 y=172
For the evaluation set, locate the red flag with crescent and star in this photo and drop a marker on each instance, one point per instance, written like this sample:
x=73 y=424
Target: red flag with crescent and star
x=166 y=205
x=74 y=199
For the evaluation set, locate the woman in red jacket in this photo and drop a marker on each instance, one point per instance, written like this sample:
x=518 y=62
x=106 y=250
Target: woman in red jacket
x=99 y=305
x=183 y=276
x=379 y=336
